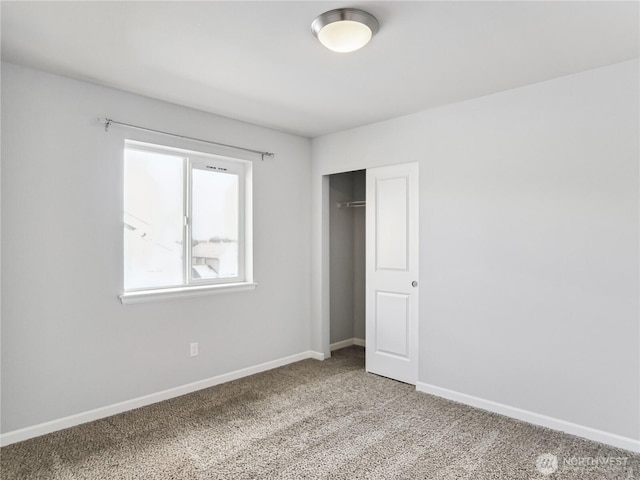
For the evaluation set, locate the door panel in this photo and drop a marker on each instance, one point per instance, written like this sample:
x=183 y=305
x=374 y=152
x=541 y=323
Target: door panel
x=392 y=267
x=392 y=323
x=391 y=231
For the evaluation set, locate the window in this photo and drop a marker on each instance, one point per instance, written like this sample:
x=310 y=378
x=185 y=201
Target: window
x=186 y=221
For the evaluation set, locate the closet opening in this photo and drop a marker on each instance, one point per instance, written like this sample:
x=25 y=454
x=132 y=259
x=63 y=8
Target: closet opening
x=347 y=254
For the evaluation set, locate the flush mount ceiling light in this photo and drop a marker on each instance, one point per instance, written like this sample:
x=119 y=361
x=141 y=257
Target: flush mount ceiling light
x=345 y=29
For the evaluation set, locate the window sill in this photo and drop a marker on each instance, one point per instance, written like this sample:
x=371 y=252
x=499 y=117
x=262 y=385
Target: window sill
x=143 y=296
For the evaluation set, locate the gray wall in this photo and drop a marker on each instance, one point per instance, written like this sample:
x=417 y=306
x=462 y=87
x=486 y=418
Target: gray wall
x=68 y=344
x=528 y=243
x=347 y=253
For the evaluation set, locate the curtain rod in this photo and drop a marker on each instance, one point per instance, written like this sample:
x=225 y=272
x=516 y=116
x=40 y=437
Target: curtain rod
x=109 y=121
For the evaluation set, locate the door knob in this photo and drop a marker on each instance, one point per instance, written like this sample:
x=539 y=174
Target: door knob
x=414 y=284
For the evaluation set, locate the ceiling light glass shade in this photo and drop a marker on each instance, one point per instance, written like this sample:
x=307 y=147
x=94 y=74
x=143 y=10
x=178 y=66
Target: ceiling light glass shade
x=345 y=29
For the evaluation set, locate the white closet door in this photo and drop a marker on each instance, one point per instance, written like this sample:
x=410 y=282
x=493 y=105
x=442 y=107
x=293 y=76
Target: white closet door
x=392 y=272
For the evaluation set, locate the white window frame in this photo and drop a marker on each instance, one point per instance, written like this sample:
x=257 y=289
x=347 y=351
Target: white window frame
x=193 y=286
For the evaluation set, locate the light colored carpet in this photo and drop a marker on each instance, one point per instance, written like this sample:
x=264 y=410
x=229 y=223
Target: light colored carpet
x=312 y=420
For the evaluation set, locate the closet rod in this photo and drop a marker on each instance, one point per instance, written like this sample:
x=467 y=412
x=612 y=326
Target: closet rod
x=352 y=204
x=109 y=121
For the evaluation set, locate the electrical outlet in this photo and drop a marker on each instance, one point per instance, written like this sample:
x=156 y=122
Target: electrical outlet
x=194 y=349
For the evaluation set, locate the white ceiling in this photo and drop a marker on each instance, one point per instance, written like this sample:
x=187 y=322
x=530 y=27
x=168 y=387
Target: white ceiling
x=258 y=61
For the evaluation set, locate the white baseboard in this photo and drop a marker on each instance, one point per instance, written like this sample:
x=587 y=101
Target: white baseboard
x=102 y=412
x=347 y=343
x=534 y=418
x=316 y=355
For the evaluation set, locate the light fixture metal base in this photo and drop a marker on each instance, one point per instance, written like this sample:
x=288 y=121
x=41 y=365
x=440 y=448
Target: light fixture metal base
x=345 y=16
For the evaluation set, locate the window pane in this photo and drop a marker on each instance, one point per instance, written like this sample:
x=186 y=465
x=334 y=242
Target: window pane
x=153 y=219
x=214 y=223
